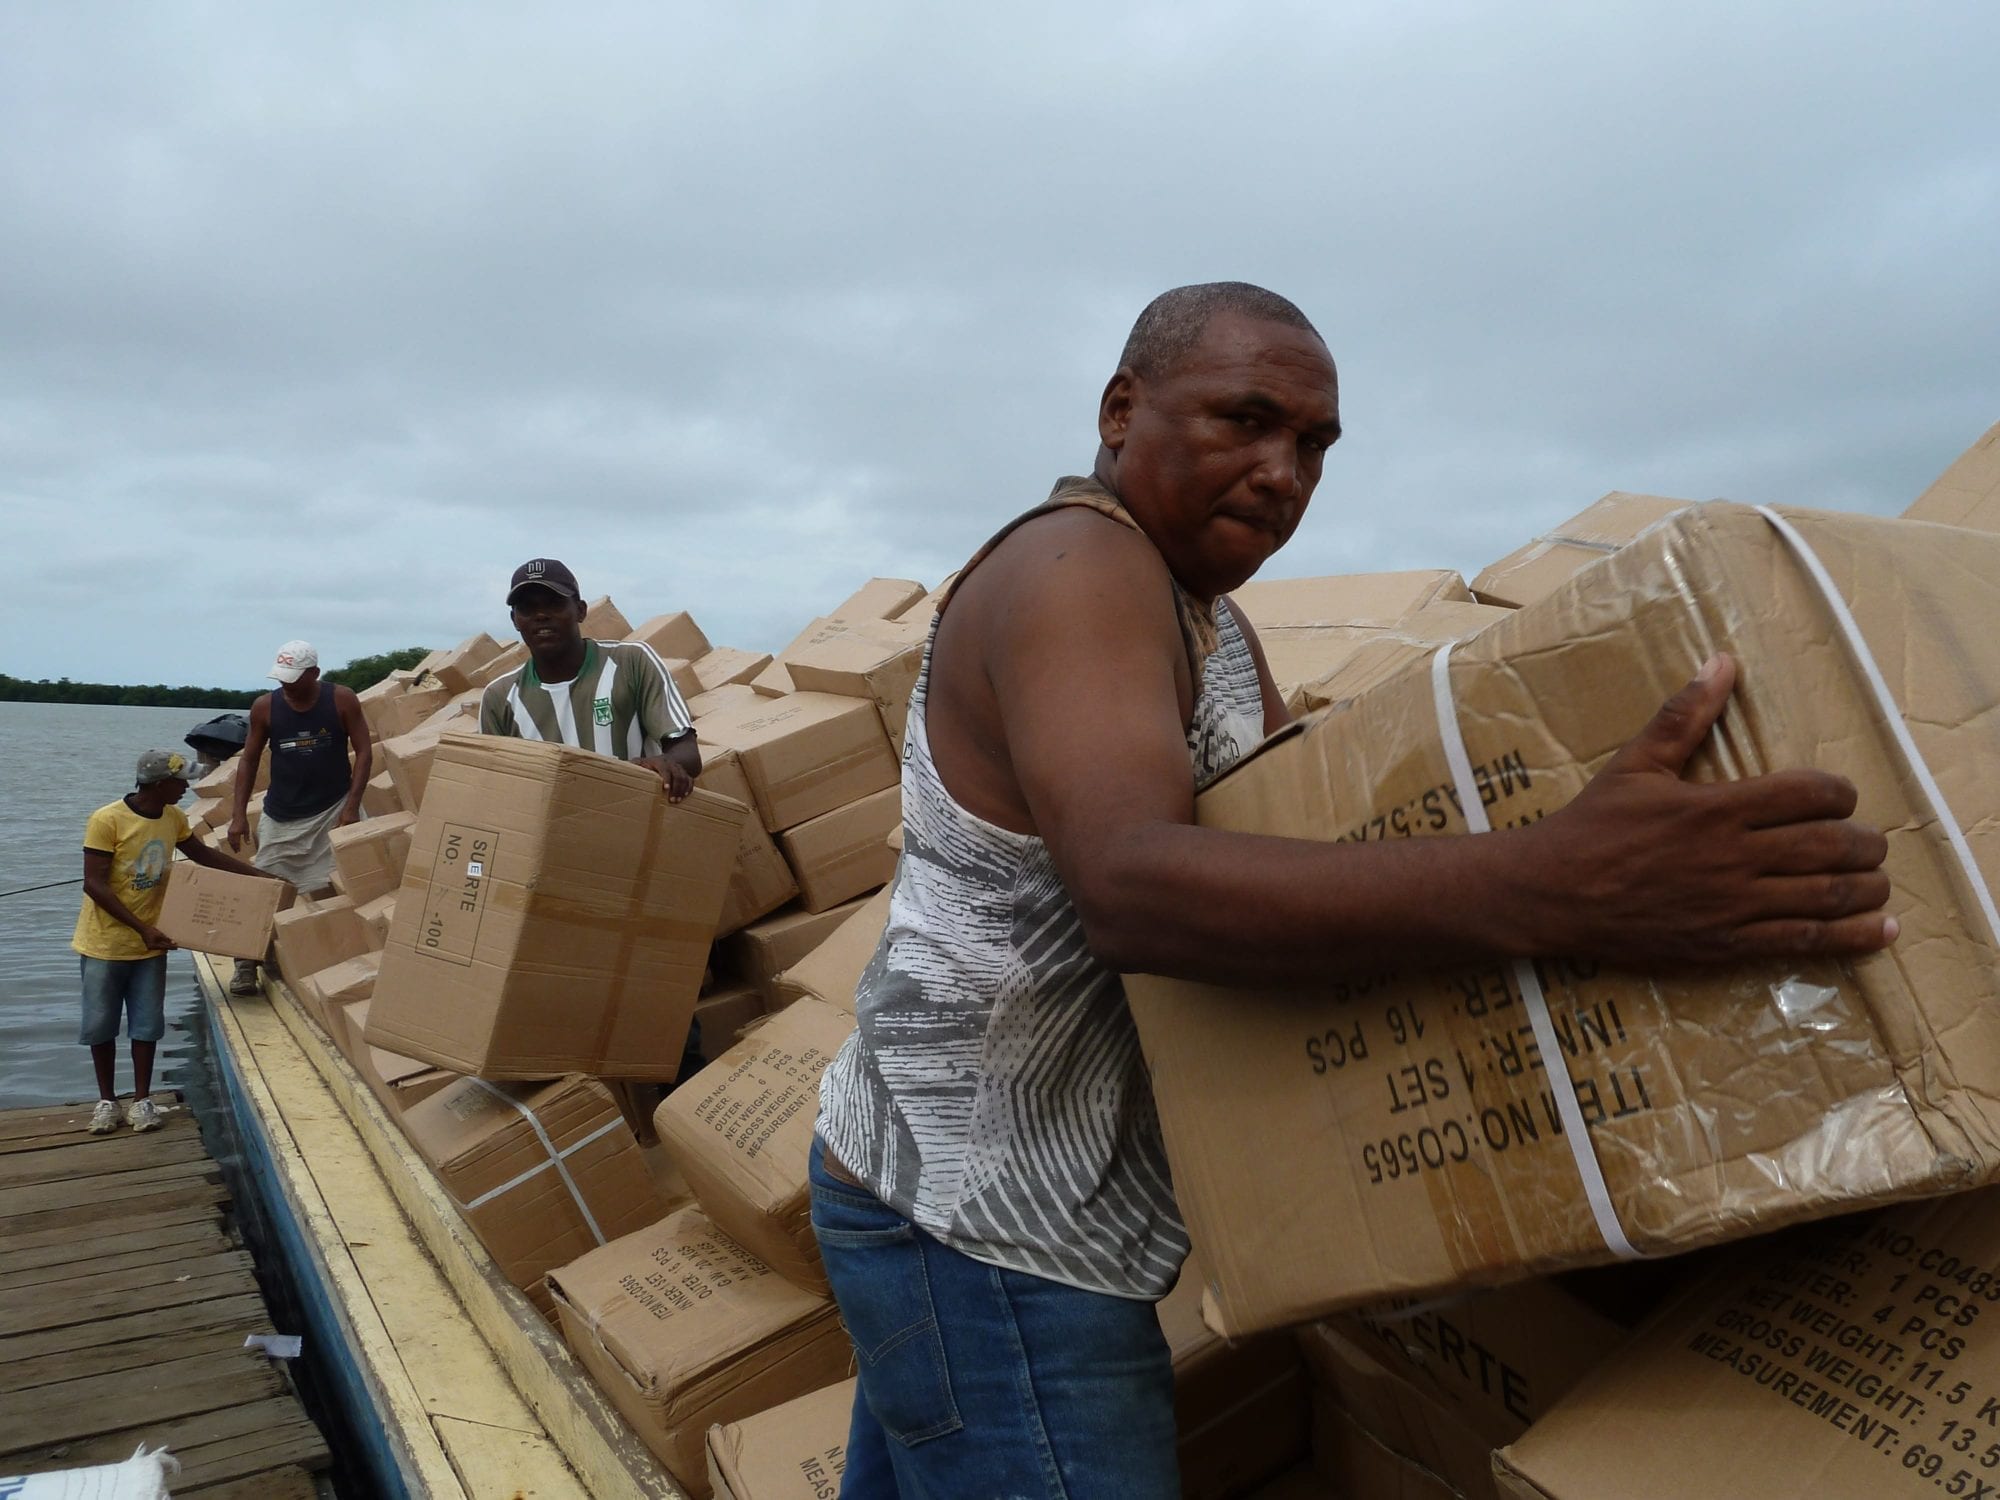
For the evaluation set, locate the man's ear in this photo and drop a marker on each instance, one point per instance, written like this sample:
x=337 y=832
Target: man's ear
x=582 y=609
x=1114 y=408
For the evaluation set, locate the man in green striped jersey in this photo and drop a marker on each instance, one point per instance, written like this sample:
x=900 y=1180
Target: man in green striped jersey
x=614 y=697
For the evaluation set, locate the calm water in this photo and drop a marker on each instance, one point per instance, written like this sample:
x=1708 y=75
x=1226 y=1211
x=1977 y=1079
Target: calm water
x=63 y=762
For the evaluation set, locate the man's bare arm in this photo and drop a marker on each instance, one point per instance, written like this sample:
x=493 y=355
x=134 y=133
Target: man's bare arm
x=215 y=859
x=1643 y=867
x=246 y=770
x=347 y=704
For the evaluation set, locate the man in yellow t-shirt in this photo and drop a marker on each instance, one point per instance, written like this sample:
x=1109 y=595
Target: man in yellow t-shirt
x=127 y=846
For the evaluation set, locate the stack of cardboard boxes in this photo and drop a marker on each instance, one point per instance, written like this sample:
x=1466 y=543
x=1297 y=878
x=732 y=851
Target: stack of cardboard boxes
x=1393 y=1304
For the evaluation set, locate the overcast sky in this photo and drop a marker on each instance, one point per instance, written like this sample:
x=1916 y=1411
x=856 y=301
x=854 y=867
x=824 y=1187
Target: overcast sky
x=315 y=320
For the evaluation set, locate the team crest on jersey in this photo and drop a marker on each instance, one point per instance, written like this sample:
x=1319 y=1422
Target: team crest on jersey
x=603 y=711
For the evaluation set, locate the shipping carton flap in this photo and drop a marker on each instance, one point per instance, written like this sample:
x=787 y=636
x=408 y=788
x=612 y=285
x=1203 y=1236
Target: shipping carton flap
x=1967 y=493
x=833 y=969
x=797 y=1451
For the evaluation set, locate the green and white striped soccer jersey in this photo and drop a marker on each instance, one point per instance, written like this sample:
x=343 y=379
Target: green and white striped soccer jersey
x=621 y=703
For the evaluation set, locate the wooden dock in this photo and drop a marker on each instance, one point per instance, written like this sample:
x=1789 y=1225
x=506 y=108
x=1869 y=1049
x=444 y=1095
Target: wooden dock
x=125 y=1297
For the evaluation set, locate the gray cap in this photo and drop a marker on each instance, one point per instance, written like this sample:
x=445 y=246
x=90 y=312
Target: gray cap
x=164 y=765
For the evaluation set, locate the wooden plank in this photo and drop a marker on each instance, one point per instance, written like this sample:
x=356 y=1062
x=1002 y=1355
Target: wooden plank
x=33 y=1319
x=38 y=1129
x=182 y=1435
x=171 y=1239
x=175 y=1201
x=593 y=1437
x=497 y=1461
x=126 y=1353
x=187 y=1318
x=180 y=1211
x=135 y=1398
x=277 y=1484
x=274 y=1445
x=99 y=1192
x=93 y=1279
x=373 y=1349
x=105 y=1154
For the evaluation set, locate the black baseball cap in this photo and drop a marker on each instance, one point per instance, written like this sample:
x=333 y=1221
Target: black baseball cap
x=544 y=572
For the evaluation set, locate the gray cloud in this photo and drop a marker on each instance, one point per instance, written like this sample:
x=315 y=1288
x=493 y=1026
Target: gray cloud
x=316 y=322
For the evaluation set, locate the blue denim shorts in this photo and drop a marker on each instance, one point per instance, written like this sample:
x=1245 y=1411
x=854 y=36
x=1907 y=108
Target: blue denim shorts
x=135 y=988
x=979 y=1382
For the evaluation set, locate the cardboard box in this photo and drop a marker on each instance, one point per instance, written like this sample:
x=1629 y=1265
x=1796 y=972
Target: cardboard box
x=368 y=856
x=1242 y=1410
x=375 y=917
x=726 y=665
x=317 y=934
x=832 y=970
x=740 y=1131
x=844 y=853
x=927 y=606
x=1968 y=493
x=1349 y=1462
x=1851 y=1360
x=555 y=915
x=379 y=799
x=738 y=695
x=466 y=665
x=806 y=753
x=535 y=1209
x=408 y=709
x=344 y=983
x=201 y=817
x=878 y=599
x=796 y=1451
x=1718 y=1105
x=869 y=659
x=774 y=681
x=685 y=1329
x=219 y=785
x=1534 y=571
x=406 y=761
x=681 y=670
x=604 y=621
x=760 y=881
x=723 y=1014
x=672 y=635
x=397 y=1081
x=765 y=949
x=219 y=911
x=460 y=711
x=1344 y=598
x=1359 y=658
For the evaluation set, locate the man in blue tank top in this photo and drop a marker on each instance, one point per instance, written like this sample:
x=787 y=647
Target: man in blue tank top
x=988 y=1189
x=320 y=763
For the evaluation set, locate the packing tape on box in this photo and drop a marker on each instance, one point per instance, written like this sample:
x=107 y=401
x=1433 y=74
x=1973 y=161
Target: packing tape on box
x=1892 y=715
x=1575 y=1132
x=556 y=1160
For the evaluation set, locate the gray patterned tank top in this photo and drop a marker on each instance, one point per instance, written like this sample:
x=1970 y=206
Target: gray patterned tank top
x=993 y=1092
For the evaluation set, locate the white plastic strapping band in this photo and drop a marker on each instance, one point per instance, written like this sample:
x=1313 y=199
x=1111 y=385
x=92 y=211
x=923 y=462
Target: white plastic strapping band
x=555 y=1159
x=1575 y=1132
x=1892 y=715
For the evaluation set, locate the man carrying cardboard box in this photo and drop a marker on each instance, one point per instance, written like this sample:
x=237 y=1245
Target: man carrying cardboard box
x=614 y=697
x=992 y=1196
x=127 y=845
x=321 y=760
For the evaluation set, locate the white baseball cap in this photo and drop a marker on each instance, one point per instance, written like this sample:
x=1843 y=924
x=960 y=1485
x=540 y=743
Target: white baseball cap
x=294 y=660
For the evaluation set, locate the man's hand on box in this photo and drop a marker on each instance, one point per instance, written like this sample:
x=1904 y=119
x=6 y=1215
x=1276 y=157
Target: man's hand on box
x=156 y=940
x=673 y=775
x=1662 y=871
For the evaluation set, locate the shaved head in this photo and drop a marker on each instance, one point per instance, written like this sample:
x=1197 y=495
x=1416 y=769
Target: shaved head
x=1172 y=322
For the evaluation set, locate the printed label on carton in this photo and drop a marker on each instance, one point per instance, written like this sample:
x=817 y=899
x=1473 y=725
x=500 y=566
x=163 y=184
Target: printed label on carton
x=455 y=904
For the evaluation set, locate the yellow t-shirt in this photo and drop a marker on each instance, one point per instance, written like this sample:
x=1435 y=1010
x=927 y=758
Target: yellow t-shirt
x=140 y=850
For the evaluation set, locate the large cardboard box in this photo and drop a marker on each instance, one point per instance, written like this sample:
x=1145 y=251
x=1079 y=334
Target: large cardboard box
x=380 y=799
x=874 y=659
x=397 y=1081
x=375 y=917
x=774 y=681
x=219 y=785
x=1275 y=604
x=314 y=935
x=543 y=1172
x=1851 y=1360
x=219 y=911
x=461 y=711
x=555 y=915
x=797 y=1451
x=1425 y=1143
x=766 y=948
x=878 y=599
x=1349 y=659
x=1534 y=571
x=408 y=709
x=1968 y=493
x=406 y=760
x=844 y=853
x=466 y=665
x=760 y=881
x=683 y=1329
x=832 y=971
x=1350 y=1462
x=725 y=1014
x=1241 y=1409
x=741 y=1129
x=726 y=666
x=673 y=635
x=806 y=753
x=604 y=621
x=736 y=695
x=342 y=984
x=368 y=856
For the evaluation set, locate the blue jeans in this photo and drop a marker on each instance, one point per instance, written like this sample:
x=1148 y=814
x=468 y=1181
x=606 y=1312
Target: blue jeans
x=979 y=1383
x=135 y=988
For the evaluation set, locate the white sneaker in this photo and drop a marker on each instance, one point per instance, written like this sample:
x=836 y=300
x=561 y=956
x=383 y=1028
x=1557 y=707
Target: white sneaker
x=141 y=1115
x=104 y=1118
